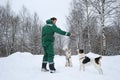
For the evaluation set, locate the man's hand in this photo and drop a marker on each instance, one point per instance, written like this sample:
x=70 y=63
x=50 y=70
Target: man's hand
x=72 y=35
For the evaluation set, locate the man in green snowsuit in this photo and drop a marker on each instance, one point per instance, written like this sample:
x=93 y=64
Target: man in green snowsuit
x=48 y=43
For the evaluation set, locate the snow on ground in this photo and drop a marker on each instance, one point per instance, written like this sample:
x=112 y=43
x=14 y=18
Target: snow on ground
x=25 y=66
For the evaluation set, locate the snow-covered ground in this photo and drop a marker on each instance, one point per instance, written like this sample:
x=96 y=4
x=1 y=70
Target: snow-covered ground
x=25 y=66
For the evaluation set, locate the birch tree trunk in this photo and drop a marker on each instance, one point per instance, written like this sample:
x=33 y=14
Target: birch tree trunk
x=102 y=19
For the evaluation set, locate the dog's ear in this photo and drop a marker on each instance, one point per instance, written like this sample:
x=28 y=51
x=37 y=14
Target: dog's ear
x=69 y=51
x=66 y=49
x=100 y=56
x=81 y=51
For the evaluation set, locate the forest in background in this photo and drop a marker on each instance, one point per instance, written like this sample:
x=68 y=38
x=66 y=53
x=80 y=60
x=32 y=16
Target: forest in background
x=96 y=24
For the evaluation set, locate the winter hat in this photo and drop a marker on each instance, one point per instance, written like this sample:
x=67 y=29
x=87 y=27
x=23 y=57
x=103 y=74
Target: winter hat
x=53 y=18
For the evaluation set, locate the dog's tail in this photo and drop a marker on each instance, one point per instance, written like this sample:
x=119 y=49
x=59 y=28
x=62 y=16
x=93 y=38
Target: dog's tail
x=97 y=59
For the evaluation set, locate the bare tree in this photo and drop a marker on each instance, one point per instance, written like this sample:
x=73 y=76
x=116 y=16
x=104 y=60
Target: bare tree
x=1 y=30
x=76 y=23
x=103 y=8
x=88 y=18
x=79 y=21
x=19 y=32
x=14 y=24
x=35 y=36
x=24 y=16
x=89 y=42
x=116 y=22
x=115 y=35
x=6 y=27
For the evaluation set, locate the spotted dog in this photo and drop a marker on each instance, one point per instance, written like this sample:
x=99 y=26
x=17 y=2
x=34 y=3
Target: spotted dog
x=83 y=59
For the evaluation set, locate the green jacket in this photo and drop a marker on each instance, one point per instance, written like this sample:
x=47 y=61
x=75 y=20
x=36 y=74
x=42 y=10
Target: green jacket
x=48 y=32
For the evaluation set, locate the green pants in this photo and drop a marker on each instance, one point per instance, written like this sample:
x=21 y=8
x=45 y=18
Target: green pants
x=48 y=53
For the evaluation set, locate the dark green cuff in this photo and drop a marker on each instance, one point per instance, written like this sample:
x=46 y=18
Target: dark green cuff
x=67 y=34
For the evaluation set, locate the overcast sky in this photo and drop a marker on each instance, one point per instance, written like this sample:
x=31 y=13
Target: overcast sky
x=44 y=8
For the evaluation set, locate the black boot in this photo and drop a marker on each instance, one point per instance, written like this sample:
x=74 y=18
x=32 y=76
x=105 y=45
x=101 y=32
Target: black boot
x=52 y=68
x=44 y=67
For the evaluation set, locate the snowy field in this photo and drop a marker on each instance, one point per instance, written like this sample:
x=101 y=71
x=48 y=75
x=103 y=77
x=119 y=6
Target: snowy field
x=25 y=66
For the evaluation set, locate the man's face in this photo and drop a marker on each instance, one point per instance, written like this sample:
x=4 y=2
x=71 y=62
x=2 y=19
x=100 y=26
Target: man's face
x=54 y=21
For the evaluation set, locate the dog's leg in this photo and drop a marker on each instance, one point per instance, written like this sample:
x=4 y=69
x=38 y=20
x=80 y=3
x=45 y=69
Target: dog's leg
x=66 y=63
x=83 y=67
x=98 y=68
x=70 y=63
x=100 y=71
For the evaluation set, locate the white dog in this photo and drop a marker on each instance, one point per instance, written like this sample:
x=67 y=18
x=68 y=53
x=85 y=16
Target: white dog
x=68 y=58
x=85 y=60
